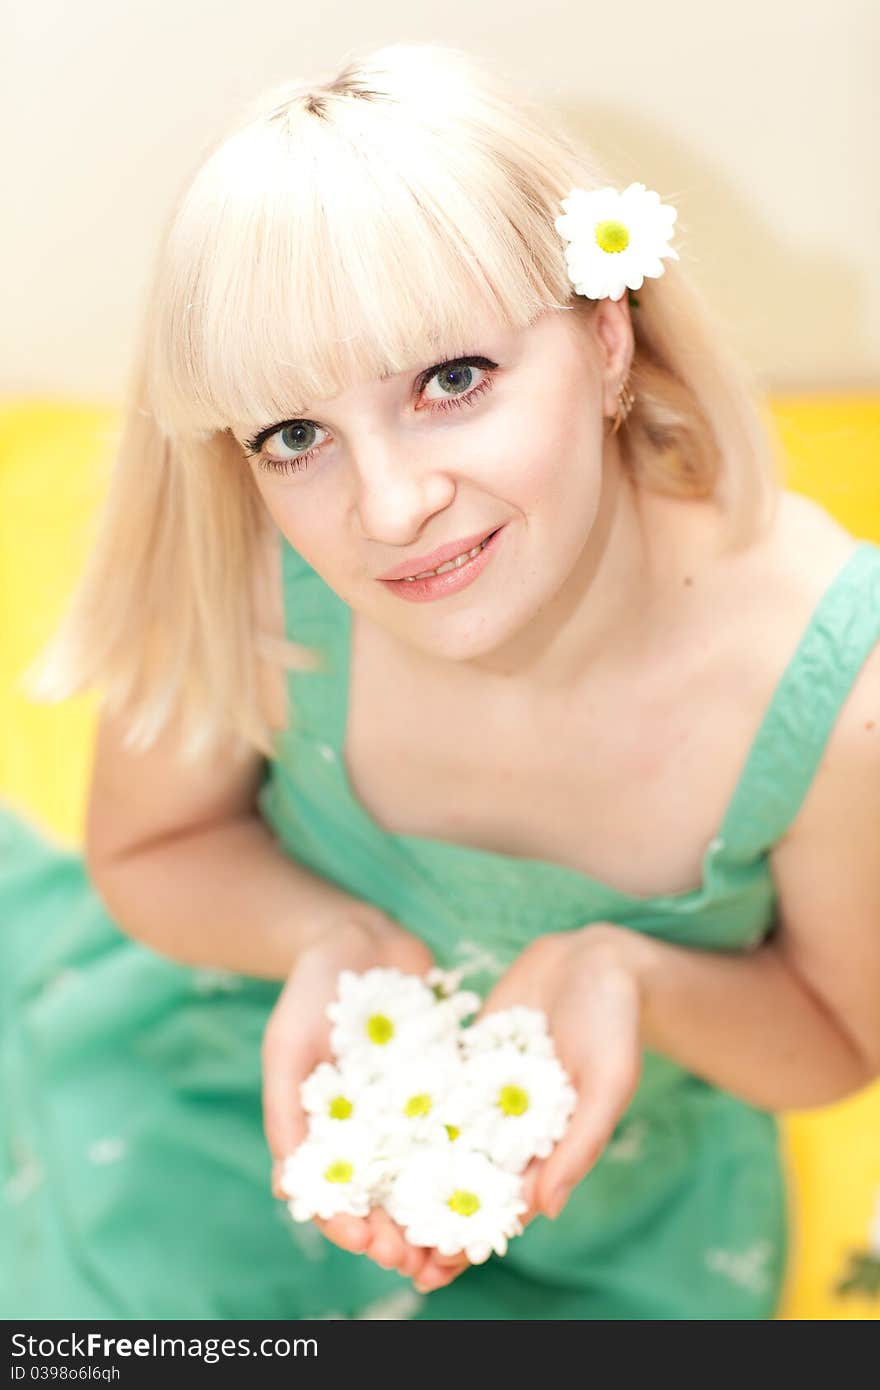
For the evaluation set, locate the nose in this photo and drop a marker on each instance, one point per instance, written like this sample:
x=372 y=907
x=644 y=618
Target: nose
x=399 y=487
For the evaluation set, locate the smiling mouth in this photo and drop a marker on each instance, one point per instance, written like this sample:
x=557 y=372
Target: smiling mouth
x=450 y=564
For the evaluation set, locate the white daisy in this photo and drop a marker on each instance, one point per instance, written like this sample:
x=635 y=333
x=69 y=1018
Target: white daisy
x=414 y=1097
x=383 y=1015
x=327 y=1175
x=457 y=1200
x=337 y=1095
x=524 y=1105
x=519 y=1027
x=615 y=239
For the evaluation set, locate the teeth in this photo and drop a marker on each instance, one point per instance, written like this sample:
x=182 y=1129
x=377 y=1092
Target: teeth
x=450 y=564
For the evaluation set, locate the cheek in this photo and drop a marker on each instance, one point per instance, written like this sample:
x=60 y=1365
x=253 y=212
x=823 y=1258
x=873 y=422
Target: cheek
x=552 y=459
x=307 y=527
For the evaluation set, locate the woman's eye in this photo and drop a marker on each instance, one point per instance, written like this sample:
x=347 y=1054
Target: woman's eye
x=299 y=437
x=453 y=379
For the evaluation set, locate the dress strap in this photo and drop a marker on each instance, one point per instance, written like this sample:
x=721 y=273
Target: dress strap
x=316 y=617
x=782 y=762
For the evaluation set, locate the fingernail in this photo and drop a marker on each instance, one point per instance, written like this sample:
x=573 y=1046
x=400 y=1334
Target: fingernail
x=557 y=1201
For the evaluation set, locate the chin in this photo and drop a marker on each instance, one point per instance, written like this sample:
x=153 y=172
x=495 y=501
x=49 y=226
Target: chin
x=472 y=636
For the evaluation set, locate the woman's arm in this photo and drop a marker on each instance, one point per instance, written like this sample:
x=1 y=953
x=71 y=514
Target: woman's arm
x=747 y=1024
x=224 y=895
x=183 y=861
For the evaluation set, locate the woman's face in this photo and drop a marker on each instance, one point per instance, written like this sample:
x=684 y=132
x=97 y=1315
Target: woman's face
x=511 y=440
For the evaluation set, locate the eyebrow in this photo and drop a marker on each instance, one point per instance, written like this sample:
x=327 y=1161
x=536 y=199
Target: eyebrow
x=256 y=441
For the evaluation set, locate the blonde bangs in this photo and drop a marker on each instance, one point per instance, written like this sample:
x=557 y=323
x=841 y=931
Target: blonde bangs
x=417 y=231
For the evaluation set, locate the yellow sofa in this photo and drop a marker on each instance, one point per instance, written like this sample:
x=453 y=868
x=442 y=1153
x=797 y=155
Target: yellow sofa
x=54 y=464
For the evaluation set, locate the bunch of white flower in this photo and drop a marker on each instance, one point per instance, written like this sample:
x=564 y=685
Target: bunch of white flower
x=433 y=1121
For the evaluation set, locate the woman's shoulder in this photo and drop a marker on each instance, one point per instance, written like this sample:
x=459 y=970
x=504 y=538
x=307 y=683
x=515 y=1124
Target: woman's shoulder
x=811 y=544
x=806 y=551
x=784 y=575
x=816 y=548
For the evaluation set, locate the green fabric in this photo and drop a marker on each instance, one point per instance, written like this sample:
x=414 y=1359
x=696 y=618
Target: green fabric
x=133 y=1169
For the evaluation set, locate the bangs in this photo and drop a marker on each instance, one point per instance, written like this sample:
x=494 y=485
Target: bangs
x=310 y=254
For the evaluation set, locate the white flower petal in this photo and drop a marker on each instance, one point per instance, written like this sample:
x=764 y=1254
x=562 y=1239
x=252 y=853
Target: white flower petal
x=520 y=1104
x=598 y=273
x=423 y=1193
x=312 y=1192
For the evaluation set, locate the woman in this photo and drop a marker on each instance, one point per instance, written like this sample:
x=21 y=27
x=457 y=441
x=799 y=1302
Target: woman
x=580 y=765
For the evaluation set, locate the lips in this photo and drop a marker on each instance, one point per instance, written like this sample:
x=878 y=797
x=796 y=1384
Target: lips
x=435 y=558
x=452 y=580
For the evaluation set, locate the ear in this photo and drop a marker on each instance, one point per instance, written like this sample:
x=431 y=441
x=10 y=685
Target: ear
x=612 y=326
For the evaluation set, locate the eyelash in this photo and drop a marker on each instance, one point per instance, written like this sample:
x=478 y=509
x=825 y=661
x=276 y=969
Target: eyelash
x=301 y=461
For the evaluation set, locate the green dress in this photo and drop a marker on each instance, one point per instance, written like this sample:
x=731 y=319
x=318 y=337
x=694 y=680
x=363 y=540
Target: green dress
x=133 y=1169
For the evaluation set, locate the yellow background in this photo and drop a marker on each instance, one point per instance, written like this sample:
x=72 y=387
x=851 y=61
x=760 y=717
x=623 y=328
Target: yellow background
x=54 y=464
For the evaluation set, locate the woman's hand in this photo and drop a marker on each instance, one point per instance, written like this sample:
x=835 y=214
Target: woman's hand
x=592 y=996
x=297 y=1038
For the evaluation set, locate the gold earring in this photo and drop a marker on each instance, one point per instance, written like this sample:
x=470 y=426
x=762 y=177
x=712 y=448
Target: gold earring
x=625 y=402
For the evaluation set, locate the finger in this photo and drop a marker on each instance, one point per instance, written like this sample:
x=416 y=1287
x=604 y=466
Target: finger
x=409 y=954
x=436 y=1276
x=447 y=1261
x=414 y=1261
x=387 y=1245
x=406 y=1258
x=523 y=982
x=277 y=1189
x=284 y=1120
x=589 y=1130
x=349 y=1232
x=293 y=1044
x=530 y=1184
x=510 y=990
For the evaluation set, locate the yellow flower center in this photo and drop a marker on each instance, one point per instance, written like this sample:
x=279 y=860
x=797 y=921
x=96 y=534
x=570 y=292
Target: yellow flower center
x=612 y=236
x=339 y=1171
x=380 y=1029
x=464 y=1203
x=452 y=1131
x=417 y=1105
x=340 y=1108
x=513 y=1100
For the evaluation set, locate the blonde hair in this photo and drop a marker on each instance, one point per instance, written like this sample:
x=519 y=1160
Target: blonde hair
x=345 y=229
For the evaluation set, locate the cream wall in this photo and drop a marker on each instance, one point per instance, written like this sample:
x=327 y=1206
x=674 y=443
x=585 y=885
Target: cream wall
x=759 y=121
